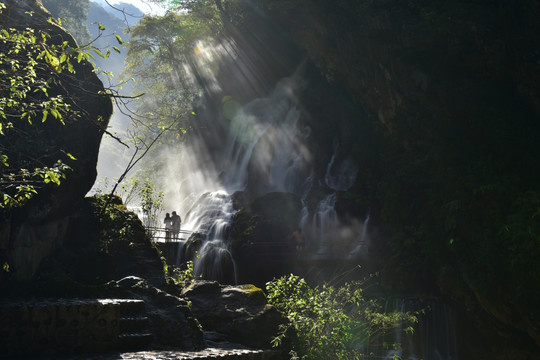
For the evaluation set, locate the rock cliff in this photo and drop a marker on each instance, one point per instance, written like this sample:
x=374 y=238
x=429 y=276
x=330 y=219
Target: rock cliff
x=29 y=234
x=438 y=106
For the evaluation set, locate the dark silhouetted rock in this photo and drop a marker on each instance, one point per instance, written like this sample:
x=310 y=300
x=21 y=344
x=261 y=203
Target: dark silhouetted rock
x=261 y=237
x=240 y=314
x=33 y=231
x=171 y=322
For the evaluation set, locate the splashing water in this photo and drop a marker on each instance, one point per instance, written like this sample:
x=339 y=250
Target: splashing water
x=340 y=173
x=216 y=263
x=262 y=139
x=362 y=246
x=264 y=150
x=325 y=221
x=433 y=338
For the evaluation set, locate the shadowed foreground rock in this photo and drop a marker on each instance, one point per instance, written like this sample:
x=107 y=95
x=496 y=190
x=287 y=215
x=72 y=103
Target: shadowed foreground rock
x=238 y=314
x=170 y=319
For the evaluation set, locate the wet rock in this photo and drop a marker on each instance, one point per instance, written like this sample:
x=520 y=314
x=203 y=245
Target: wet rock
x=240 y=313
x=171 y=321
x=261 y=237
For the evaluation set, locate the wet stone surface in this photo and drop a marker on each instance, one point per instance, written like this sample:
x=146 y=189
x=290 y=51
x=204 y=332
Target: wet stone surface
x=209 y=353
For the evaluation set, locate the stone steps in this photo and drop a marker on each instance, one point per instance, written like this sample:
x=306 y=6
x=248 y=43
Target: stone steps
x=206 y=354
x=70 y=326
x=133 y=326
x=93 y=329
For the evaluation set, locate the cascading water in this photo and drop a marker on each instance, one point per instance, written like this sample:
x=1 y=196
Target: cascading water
x=325 y=221
x=266 y=143
x=432 y=338
x=211 y=216
x=340 y=173
x=216 y=262
x=362 y=241
x=340 y=176
x=264 y=140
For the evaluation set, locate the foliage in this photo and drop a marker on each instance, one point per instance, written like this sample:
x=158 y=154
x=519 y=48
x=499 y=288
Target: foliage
x=183 y=277
x=330 y=322
x=116 y=223
x=151 y=204
x=159 y=58
x=34 y=69
x=30 y=65
x=138 y=193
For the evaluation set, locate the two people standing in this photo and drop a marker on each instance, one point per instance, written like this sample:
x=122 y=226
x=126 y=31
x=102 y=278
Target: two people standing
x=172 y=226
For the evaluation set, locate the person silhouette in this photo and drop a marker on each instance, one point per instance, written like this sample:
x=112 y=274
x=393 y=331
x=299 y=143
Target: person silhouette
x=176 y=222
x=168 y=227
x=297 y=238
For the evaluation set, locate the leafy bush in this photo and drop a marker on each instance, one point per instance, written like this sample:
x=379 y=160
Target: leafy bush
x=183 y=277
x=329 y=322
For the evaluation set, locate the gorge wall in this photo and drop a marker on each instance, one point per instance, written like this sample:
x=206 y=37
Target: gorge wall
x=28 y=234
x=437 y=107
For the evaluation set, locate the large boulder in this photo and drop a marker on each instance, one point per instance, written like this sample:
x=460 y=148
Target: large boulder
x=239 y=314
x=106 y=245
x=29 y=234
x=171 y=321
x=261 y=237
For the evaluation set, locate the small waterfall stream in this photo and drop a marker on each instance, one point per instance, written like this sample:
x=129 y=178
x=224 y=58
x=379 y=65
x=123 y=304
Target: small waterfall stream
x=325 y=223
x=434 y=336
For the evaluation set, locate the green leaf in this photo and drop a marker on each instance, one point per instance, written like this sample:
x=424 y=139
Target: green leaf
x=45 y=114
x=55 y=113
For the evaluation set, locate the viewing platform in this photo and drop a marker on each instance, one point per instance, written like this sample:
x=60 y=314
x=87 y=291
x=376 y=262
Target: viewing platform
x=160 y=234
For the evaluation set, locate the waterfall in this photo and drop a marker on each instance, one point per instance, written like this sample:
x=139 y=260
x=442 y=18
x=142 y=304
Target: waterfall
x=340 y=175
x=264 y=149
x=325 y=222
x=215 y=262
x=362 y=240
x=434 y=336
x=264 y=136
x=340 y=172
x=263 y=140
x=210 y=215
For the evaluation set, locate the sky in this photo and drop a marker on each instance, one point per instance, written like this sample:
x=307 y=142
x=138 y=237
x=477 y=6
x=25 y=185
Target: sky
x=145 y=6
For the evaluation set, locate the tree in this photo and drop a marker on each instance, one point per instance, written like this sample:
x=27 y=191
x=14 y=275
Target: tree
x=160 y=59
x=73 y=16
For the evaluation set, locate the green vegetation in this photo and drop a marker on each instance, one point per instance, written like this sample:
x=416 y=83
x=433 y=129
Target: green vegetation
x=31 y=63
x=36 y=69
x=184 y=276
x=329 y=322
x=138 y=192
x=116 y=223
x=159 y=59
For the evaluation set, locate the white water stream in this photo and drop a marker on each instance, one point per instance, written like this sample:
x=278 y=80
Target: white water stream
x=264 y=139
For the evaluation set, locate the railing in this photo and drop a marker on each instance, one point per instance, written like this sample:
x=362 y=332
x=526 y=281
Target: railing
x=160 y=234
